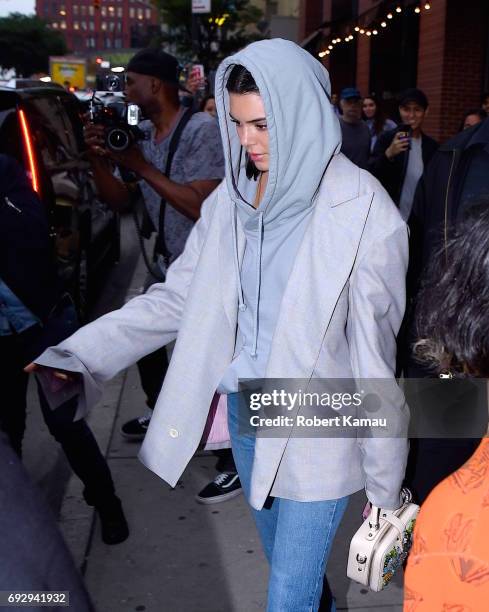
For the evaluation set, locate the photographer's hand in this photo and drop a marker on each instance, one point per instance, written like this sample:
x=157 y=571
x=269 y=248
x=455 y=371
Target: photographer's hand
x=132 y=159
x=93 y=135
x=399 y=145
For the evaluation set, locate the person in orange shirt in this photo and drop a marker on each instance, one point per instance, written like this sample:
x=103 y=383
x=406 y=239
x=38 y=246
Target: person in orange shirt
x=448 y=568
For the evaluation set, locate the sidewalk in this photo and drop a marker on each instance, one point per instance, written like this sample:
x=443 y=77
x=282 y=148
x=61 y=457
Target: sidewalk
x=182 y=556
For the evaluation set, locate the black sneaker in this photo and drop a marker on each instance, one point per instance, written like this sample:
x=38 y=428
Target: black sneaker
x=113 y=522
x=136 y=429
x=224 y=486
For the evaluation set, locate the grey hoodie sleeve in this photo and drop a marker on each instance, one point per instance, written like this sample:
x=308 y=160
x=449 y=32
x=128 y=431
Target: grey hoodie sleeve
x=102 y=349
x=377 y=303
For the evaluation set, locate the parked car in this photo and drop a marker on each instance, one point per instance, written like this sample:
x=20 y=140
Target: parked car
x=41 y=126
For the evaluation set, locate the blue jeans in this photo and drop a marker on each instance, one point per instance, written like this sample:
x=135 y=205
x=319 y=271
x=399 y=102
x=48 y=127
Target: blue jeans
x=296 y=536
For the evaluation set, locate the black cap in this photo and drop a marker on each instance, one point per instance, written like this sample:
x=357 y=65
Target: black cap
x=155 y=63
x=413 y=95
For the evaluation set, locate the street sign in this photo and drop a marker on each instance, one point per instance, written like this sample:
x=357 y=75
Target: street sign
x=201 y=6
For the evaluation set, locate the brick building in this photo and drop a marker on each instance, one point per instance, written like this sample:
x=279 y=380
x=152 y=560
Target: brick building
x=100 y=25
x=440 y=46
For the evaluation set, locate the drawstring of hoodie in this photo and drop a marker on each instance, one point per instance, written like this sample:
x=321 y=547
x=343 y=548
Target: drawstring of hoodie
x=234 y=221
x=254 y=353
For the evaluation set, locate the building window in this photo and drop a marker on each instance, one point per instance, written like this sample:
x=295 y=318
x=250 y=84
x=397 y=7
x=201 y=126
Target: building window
x=118 y=43
x=62 y=25
x=83 y=10
x=119 y=26
x=91 y=11
x=103 y=11
x=140 y=13
x=148 y=13
x=119 y=11
x=76 y=25
x=62 y=11
x=132 y=12
x=75 y=9
x=84 y=25
x=91 y=26
x=111 y=26
x=55 y=25
x=108 y=43
x=111 y=11
x=104 y=25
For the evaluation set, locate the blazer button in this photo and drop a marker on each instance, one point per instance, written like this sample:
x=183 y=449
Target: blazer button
x=173 y=433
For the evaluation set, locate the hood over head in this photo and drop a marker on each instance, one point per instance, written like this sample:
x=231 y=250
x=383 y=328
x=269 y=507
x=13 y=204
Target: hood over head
x=304 y=132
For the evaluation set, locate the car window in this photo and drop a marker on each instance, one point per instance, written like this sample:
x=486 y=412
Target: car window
x=52 y=131
x=10 y=137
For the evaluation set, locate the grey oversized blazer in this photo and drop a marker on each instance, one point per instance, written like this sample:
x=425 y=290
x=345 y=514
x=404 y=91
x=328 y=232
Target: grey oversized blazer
x=339 y=317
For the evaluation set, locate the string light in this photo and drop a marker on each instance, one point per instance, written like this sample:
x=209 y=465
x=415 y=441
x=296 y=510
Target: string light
x=383 y=24
x=427 y=6
x=417 y=10
x=369 y=33
x=330 y=47
x=322 y=53
x=398 y=9
x=389 y=15
x=327 y=52
x=357 y=29
x=362 y=31
x=375 y=32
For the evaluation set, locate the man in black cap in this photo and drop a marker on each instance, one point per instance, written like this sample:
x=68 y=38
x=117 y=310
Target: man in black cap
x=172 y=201
x=400 y=155
x=355 y=133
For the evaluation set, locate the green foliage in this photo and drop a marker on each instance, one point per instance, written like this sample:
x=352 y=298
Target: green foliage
x=231 y=25
x=26 y=44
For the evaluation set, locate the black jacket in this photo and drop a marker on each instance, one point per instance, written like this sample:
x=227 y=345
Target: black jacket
x=438 y=198
x=391 y=173
x=26 y=263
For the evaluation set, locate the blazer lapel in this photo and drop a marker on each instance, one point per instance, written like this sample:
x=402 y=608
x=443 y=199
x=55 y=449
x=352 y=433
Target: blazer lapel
x=322 y=267
x=227 y=273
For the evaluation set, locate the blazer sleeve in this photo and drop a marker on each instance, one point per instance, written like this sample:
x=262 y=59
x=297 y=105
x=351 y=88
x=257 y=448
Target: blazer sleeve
x=377 y=301
x=100 y=350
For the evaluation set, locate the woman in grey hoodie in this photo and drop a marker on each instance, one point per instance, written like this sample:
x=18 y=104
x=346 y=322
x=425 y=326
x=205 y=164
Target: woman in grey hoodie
x=295 y=270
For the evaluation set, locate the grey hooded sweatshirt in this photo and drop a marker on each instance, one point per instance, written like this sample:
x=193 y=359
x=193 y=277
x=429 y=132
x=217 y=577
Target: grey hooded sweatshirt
x=304 y=134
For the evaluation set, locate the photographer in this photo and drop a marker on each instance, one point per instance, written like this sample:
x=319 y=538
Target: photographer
x=172 y=203
x=401 y=154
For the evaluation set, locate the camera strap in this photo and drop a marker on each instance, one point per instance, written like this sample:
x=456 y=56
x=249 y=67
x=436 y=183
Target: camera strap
x=160 y=246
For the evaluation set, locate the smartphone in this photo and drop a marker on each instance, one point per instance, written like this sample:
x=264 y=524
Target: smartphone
x=198 y=71
x=404 y=130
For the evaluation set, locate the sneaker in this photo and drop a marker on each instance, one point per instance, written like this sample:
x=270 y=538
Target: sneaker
x=113 y=522
x=136 y=429
x=224 y=486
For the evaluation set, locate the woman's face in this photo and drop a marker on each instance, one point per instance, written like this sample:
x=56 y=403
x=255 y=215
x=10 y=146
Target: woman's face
x=248 y=113
x=369 y=108
x=210 y=107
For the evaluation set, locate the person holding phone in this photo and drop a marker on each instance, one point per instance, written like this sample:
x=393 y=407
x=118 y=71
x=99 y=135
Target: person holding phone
x=401 y=154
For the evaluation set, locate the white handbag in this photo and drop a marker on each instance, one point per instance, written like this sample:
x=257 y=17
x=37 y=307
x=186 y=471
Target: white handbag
x=382 y=544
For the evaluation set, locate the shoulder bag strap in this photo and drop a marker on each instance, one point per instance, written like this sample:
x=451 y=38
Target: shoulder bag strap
x=161 y=247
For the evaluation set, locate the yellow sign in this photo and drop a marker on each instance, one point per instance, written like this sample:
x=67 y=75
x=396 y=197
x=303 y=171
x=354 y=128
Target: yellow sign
x=68 y=71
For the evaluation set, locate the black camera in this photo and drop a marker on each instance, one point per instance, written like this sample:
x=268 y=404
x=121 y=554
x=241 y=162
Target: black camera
x=120 y=121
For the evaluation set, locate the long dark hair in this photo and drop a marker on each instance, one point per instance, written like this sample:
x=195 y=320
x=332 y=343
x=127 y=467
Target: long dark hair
x=452 y=315
x=379 y=118
x=240 y=81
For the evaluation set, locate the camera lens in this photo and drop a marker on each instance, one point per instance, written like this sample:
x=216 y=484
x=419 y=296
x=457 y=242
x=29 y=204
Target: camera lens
x=113 y=83
x=118 y=139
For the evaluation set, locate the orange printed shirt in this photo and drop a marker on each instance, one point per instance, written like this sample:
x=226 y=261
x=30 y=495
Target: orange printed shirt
x=448 y=568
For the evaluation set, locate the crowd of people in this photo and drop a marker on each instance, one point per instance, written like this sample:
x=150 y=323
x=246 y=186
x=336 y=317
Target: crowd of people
x=305 y=252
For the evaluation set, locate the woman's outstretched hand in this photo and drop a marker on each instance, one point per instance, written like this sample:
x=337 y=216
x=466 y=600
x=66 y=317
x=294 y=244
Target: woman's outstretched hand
x=62 y=377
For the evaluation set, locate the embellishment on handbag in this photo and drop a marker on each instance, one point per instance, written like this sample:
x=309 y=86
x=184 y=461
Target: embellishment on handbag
x=398 y=554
